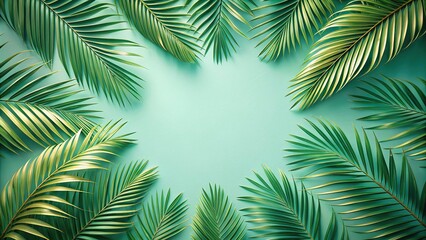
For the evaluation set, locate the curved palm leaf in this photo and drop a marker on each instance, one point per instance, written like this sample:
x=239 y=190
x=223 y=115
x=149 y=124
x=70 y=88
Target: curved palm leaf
x=401 y=105
x=359 y=37
x=30 y=106
x=162 y=23
x=279 y=210
x=32 y=193
x=111 y=204
x=283 y=23
x=79 y=29
x=216 y=218
x=371 y=195
x=162 y=218
x=215 y=19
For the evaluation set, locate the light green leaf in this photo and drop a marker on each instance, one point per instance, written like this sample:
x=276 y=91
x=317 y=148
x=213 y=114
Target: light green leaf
x=358 y=38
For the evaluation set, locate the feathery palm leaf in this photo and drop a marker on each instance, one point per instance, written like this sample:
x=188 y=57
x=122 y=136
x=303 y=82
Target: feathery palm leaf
x=111 y=204
x=30 y=106
x=279 y=210
x=283 y=23
x=161 y=21
x=78 y=29
x=358 y=38
x=32 y=193
x=162 y=218
x=216 y=218
x=370 y=193
x=215 y=19
x=401 y=105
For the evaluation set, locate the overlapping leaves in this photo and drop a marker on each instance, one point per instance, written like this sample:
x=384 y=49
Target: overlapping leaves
x=277 y=208
x=82 y=32
x=164 y=23
x=216 y=218
x=282 y=24
x=370 y=193
x=31 y=195
x=358 y=38
x=33 y=107
x=398 y=105
x=215 y=19
x=113 y=200
x=161 y=218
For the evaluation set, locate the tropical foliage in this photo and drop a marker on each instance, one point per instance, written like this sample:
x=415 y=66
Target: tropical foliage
x=30 y=106
x=113 y=200
x=216 y=218
x=69 y=192
x=278 y=208
x=31 y=196
x=78 y=29
x=215 y=19
x=164 y=23
x=378 y=198
x=397 y=105
x=358 y=38
x=161 y=218
x=282 y=24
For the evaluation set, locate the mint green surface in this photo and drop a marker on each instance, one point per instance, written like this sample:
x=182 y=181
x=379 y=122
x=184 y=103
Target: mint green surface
x=211 y=123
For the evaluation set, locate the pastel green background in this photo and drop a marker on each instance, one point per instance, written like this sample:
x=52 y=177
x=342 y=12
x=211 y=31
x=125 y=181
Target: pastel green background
x=211 y=123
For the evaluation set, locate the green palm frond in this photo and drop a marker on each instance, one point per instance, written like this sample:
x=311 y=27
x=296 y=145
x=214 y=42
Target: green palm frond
x=216 y=218
x=82 y=31
x=358 y=38
x=371 y=194
x=280 y=209
x=162 y=218
x=162 y=22
x=215 y=19
x=400 y=105
x=111 y=204
x=31 y=195
x=282 y=24
x=32 y=107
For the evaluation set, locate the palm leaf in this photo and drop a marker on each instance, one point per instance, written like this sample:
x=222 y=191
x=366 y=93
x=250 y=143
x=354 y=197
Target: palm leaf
x=282 y=24
x=32 y=107
x=32 y=193
x=368 y=192
x=358 y=38
x=162 y=218
x=78 y=29
x=400 y=105
x=279 y=210
x=162 y=22
x=112 y=203
x=216 y=21
x=216 y=218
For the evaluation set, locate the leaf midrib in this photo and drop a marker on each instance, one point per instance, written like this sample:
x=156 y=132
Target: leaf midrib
x=109 y=203
x=37 y=188
x=358 y=40
x=382 y=187
x=111 y=72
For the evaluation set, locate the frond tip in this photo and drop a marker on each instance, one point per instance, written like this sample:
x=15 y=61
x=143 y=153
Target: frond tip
x=216 y=20
x=216 y=218
x=284 y=24
x=161 y=218
x=357 y=40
